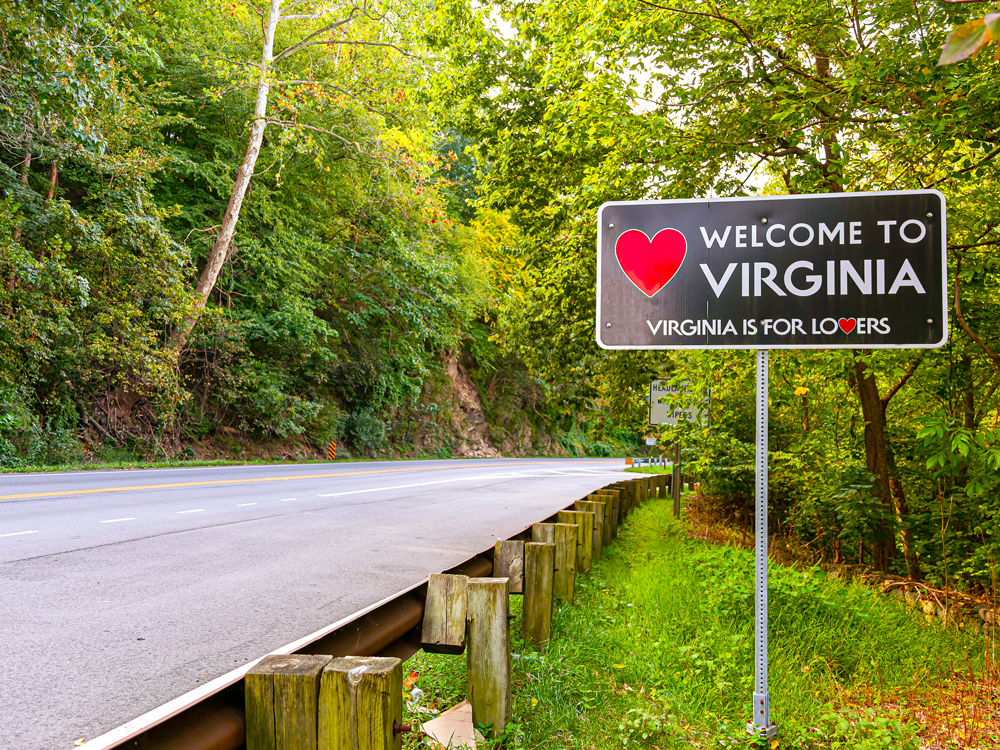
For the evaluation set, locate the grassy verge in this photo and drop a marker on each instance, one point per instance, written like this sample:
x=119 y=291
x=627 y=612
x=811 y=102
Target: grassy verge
x=138 y=464
x=109 y=465
x=657 y=653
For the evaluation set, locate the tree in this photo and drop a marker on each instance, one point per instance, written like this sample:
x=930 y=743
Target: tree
x=581 y=103
x=311 y=24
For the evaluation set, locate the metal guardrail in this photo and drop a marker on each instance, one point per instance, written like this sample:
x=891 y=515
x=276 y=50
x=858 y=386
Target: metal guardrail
x=652 y=461
x=212 y=717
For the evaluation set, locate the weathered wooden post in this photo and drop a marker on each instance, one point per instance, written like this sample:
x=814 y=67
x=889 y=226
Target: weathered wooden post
x=631 y=491
x=603 y=497
x=564 y=537
x=536 y=615
x=628 y=497
x=488 y=654
x=622 y=489
x=443 y=628
x=281 y=694
x=584 y=538
x=615 y=496
x=361 y=704
x=508 y=562
x=597 y=508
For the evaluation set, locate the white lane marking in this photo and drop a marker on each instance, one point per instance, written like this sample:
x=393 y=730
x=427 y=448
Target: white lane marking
x=116 y=520
x=196 y=510
x=286 y=499
x=243 y=505
x=19 y=533
x=457 y=479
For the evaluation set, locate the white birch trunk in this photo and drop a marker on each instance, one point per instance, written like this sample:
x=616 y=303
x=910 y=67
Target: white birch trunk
x=220 y=248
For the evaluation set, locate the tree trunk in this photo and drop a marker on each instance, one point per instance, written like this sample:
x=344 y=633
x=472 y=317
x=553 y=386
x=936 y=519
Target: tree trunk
x=905 y=532
x=888 y=490
x=53 y=174
x=25 y=167
x=224 y=239
x=875 y=453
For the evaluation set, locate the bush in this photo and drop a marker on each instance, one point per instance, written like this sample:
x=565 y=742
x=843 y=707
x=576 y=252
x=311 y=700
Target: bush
x=365 y=430
x=20 y=436
x=600 y=450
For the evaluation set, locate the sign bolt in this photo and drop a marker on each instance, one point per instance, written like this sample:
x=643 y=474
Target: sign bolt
x=763 y=220
x=609 y=325
x=930 y=216
x=930 y=320
x=611 y=226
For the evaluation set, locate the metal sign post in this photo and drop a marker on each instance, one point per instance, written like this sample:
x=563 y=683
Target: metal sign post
x=761 y=723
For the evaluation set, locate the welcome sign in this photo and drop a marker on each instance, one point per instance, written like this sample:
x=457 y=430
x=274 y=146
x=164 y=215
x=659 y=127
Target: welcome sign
x=844 y=270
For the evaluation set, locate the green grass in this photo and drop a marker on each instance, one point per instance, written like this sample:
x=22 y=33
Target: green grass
x=657 y=652
x=668 y=469
x=139 y=464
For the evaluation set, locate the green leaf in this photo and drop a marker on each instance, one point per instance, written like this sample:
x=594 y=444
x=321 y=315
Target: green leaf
x=964 y=41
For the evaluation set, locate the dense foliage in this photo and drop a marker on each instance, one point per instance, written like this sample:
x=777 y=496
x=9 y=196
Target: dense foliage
x=411 y=194
x=358 y=267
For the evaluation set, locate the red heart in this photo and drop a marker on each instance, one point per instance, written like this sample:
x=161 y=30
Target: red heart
x=650 y=264
x=847 y=324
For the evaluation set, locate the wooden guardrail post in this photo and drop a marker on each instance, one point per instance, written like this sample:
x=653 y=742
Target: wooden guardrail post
x=539 y=567
x=584 y=538
x=628 y=497
x=604 y=497
x=631 y=494
x=615 y=513
x=564 y=573
x=361 y=704
x=508 y=562
x=488 y=654
x=281 y=697
x=597 y=508
x=621 y=489
x=443 y=627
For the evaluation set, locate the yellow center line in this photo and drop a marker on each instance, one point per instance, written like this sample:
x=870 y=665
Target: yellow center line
x=210 y=482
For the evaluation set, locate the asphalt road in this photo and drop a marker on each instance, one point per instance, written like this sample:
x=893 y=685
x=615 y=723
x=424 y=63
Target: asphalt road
x=124 y=589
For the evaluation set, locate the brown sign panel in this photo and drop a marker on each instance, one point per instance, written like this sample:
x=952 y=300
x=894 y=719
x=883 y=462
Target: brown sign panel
x=845 y=270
